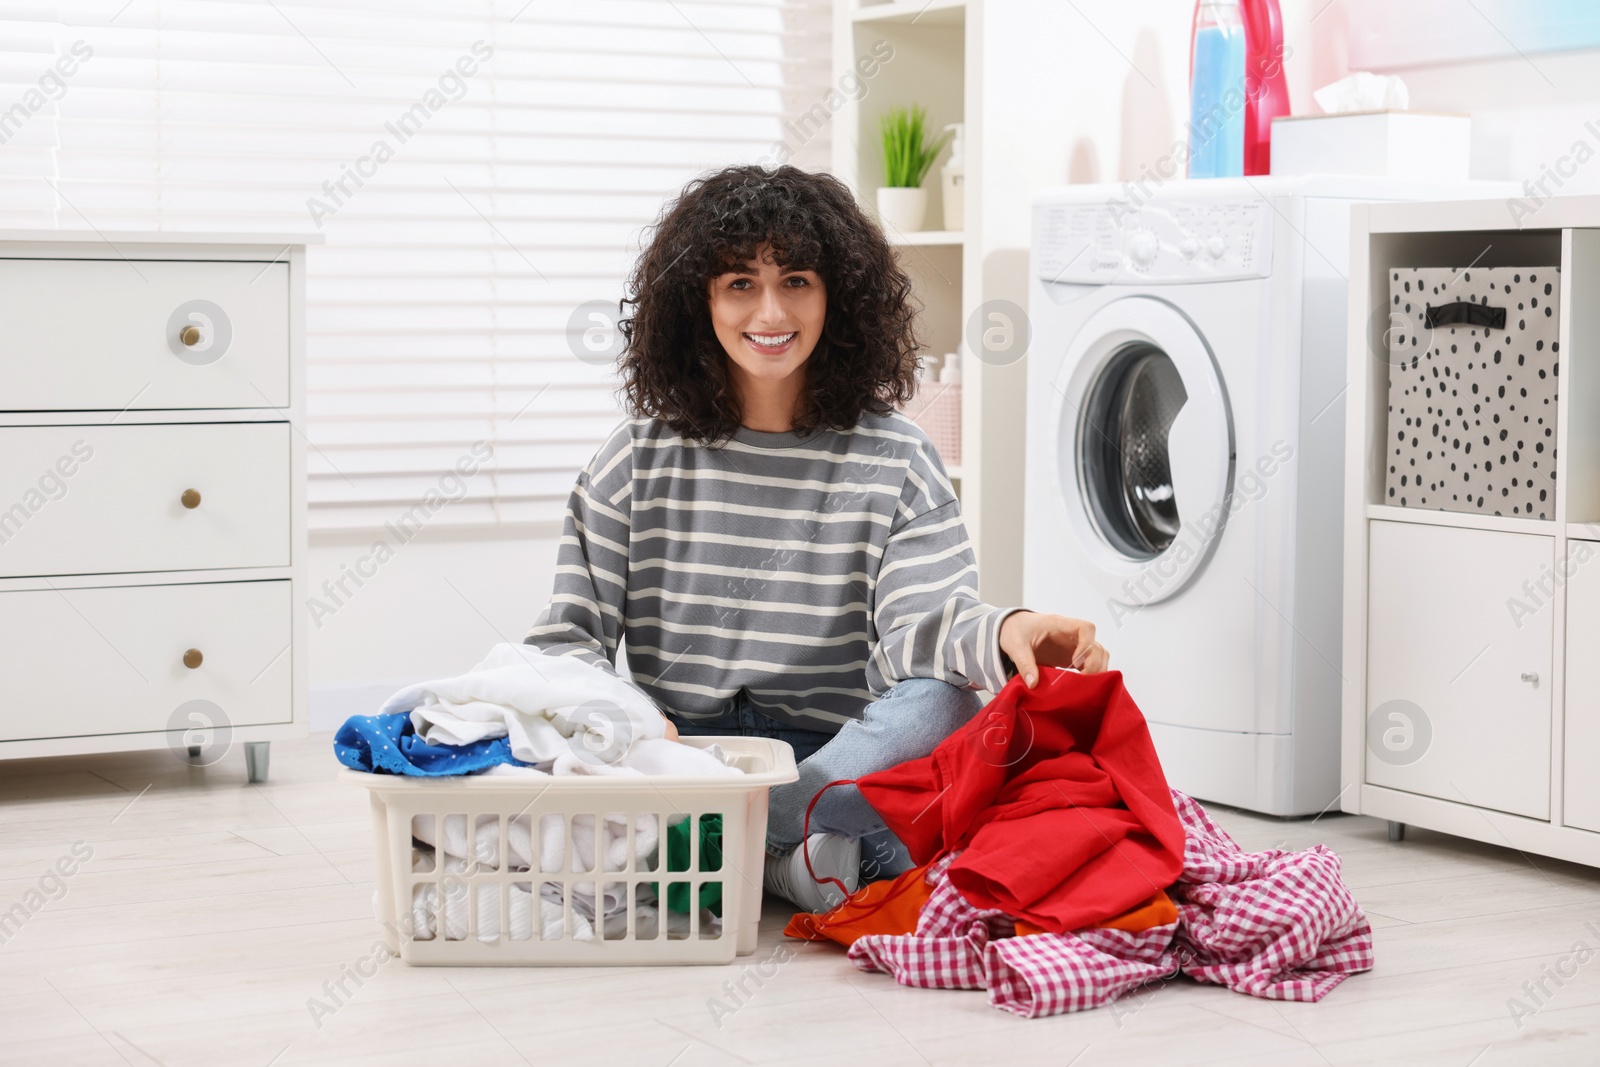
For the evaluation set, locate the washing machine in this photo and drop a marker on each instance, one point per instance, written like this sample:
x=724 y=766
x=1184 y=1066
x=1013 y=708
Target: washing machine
x=1184 y=473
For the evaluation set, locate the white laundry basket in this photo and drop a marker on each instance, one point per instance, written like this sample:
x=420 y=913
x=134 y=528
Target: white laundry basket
x=436 y=909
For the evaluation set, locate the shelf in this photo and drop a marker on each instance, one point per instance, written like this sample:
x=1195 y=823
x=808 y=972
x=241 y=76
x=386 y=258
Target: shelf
x=954 y=472
x=1506 y=213
x=1584 y=531
x=928 y=237
x=1462 y=520
x=920 y=12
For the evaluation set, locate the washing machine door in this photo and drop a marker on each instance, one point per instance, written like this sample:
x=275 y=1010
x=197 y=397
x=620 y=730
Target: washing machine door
x=1144 y=449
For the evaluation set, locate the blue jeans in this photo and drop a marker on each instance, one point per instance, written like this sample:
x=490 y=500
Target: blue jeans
x=906 y=723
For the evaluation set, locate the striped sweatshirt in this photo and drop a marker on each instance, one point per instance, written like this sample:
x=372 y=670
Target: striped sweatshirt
x=811 y=571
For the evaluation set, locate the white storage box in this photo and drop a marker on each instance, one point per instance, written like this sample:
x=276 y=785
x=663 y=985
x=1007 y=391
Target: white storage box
x=437 y=907
x=1409 y=145
x=1473 y=369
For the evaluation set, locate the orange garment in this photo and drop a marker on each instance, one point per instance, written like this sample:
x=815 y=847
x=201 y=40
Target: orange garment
x=1159 y=910
x=901 y=903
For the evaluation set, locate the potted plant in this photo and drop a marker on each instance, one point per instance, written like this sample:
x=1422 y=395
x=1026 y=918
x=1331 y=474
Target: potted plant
x=908 y=155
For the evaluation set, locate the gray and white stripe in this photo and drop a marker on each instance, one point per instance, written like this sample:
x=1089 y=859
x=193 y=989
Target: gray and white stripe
x=813 y=572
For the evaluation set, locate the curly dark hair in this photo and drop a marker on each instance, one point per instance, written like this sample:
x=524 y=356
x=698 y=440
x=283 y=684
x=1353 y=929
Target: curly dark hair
x=673 y=366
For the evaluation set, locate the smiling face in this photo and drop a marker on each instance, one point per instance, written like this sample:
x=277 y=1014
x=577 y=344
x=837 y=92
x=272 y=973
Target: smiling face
x=768 y=318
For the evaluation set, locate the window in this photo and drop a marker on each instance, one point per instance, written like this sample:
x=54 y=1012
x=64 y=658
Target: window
x=478 y=171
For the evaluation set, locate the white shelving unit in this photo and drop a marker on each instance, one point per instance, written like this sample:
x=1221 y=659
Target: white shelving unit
x=935 y=62
x=1485 y=626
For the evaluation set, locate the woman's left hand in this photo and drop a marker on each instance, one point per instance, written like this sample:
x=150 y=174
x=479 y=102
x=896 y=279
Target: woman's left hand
x=1031 y=638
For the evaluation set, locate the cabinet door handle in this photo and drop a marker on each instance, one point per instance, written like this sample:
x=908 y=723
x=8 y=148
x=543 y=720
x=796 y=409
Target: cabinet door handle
x=1531 y=677
x=189 y=335
x=192 y=658
x=191 y=500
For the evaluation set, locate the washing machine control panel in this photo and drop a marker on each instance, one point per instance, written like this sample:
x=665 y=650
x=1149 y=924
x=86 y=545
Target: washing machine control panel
x=1184 y=241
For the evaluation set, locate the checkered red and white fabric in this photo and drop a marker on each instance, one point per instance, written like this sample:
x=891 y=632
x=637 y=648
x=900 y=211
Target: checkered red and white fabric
x=946 y=952
x=1271 y=924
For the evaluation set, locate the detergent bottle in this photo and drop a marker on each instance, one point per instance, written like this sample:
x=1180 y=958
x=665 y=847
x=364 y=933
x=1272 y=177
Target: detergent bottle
x=1266 y=89
x=1217 y=99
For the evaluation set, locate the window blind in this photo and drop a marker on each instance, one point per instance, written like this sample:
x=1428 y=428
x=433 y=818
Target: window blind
x=479 y=173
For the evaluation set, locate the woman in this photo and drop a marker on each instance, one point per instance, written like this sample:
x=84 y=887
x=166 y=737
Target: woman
x=781 y=548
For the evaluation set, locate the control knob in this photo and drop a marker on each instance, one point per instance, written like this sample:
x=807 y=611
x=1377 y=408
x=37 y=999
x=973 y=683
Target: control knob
x=1143 y=246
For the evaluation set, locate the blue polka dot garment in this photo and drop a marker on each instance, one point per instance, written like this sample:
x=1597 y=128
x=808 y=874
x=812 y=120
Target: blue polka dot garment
x=387 y=744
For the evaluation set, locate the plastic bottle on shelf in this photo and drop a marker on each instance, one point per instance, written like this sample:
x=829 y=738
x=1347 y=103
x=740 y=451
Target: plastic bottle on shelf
x=953 y=175
x=1217 y=91
x=950 y=373
x=1265 y=86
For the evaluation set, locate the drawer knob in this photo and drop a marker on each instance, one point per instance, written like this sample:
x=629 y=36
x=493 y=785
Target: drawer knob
x=1531 y=677
x=190 y=335
x=191 y=498
x=192 y=658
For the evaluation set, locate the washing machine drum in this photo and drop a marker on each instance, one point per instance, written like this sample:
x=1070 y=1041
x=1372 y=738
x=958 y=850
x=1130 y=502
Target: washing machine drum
x=1144 y=449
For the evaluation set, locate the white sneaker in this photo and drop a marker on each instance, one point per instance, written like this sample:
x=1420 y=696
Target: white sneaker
x=832 y=856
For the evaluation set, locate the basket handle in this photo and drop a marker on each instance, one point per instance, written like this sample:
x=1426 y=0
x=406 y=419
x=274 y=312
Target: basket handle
x=1466 y=313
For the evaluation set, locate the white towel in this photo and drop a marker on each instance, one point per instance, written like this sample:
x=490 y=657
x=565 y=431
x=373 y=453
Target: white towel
x=425 y=910
x=552 y=842
x=651 y=756
x=545 y=705
x=553 y=858
x=647 y=916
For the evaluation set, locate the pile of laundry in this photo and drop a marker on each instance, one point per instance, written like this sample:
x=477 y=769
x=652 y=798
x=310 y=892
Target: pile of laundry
x=521 y=711
x=1059 y=871
x=526 y=713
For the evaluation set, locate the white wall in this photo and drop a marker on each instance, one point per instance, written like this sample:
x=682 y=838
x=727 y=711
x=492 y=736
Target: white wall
x=1527 y=112
x=1067 y=99
x=1090 y=92
x=431 y=610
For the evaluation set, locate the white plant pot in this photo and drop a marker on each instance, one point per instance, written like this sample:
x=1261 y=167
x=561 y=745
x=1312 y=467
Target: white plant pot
x=902 y=209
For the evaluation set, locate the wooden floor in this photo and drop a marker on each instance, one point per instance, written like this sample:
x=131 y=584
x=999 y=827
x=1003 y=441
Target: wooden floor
x=211 y=912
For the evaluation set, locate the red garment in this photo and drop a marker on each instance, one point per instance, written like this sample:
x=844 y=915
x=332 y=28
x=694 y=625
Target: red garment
x=1055 y=797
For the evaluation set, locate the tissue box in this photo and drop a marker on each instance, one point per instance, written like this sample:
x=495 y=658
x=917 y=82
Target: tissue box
x=1414 y=145
x=1473 y=367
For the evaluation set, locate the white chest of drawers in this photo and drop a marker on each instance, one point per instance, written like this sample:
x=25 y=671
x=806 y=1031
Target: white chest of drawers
x=152 y=501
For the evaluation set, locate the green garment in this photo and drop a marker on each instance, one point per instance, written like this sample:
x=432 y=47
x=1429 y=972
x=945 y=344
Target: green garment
x=678 y=860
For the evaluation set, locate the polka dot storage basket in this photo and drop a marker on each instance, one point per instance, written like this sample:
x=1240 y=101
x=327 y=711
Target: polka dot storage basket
x=1473 y=371
x=575 y=869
